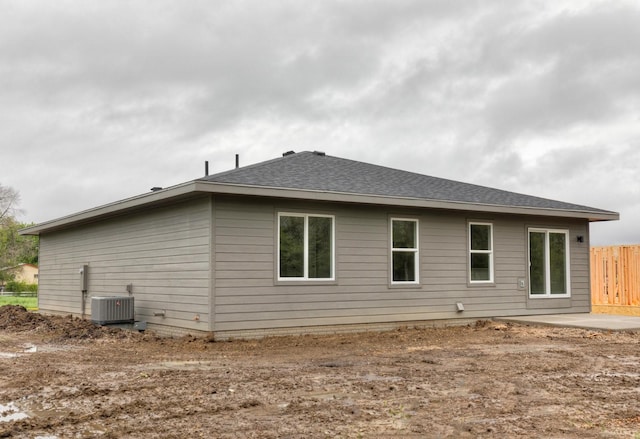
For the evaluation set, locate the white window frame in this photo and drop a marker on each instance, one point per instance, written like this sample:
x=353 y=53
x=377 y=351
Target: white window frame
x=489 y=252
x=415 y=251
x=547 y=268
x=306 y=277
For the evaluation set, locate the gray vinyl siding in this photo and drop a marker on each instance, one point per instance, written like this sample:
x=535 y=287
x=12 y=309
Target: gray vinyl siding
x=211 y=264
x=247 y=295
x=163 y=252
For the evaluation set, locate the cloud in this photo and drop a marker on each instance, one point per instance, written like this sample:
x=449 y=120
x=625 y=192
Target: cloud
x=574 y=68
x=104 y=100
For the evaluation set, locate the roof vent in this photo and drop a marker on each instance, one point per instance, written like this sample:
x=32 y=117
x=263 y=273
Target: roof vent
x=156 y=189
x=284 y=154
x=319 y=153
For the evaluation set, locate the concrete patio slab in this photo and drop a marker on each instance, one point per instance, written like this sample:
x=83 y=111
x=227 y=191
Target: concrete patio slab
x=601 y=322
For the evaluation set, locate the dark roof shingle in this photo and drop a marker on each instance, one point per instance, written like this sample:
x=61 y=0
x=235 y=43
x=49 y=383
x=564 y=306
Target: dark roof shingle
x=319 y=172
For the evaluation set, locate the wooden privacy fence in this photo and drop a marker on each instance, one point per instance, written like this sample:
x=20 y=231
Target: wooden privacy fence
x=615 y=275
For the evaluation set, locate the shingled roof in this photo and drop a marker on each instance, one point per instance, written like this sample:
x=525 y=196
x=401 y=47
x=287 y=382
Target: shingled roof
x=315 y=171
x=319 y=177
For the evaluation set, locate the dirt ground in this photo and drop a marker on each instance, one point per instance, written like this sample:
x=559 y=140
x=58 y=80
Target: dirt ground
x=63 y=378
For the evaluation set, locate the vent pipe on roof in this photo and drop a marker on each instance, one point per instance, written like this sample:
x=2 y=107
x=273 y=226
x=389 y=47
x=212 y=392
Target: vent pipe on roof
x=206 y=168
x=237 y=161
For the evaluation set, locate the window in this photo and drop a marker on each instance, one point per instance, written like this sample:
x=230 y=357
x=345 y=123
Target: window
x=305 y=247
x=549 y=263
x=404 y=251
x=480 y=252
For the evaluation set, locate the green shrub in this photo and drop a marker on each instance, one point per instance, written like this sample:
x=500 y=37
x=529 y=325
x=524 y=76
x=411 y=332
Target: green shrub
x=20 y=287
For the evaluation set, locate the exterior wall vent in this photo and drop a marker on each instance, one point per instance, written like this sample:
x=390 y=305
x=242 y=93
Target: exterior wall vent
x=110 y=310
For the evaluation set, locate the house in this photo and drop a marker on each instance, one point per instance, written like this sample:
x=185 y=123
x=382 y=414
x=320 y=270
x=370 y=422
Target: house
x=27 y=273
x=310 y=242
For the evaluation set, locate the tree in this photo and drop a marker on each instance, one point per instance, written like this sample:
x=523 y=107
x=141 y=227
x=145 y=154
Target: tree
x=9 y=199
x=14 y=248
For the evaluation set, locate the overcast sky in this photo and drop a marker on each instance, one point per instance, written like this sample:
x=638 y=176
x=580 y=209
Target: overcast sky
x=100 y=100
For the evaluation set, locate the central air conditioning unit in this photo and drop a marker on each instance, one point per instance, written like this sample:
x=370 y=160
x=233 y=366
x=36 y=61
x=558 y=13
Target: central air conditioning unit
x=110 y=310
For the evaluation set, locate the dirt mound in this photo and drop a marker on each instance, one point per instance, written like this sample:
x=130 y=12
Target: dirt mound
x=15 y=318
